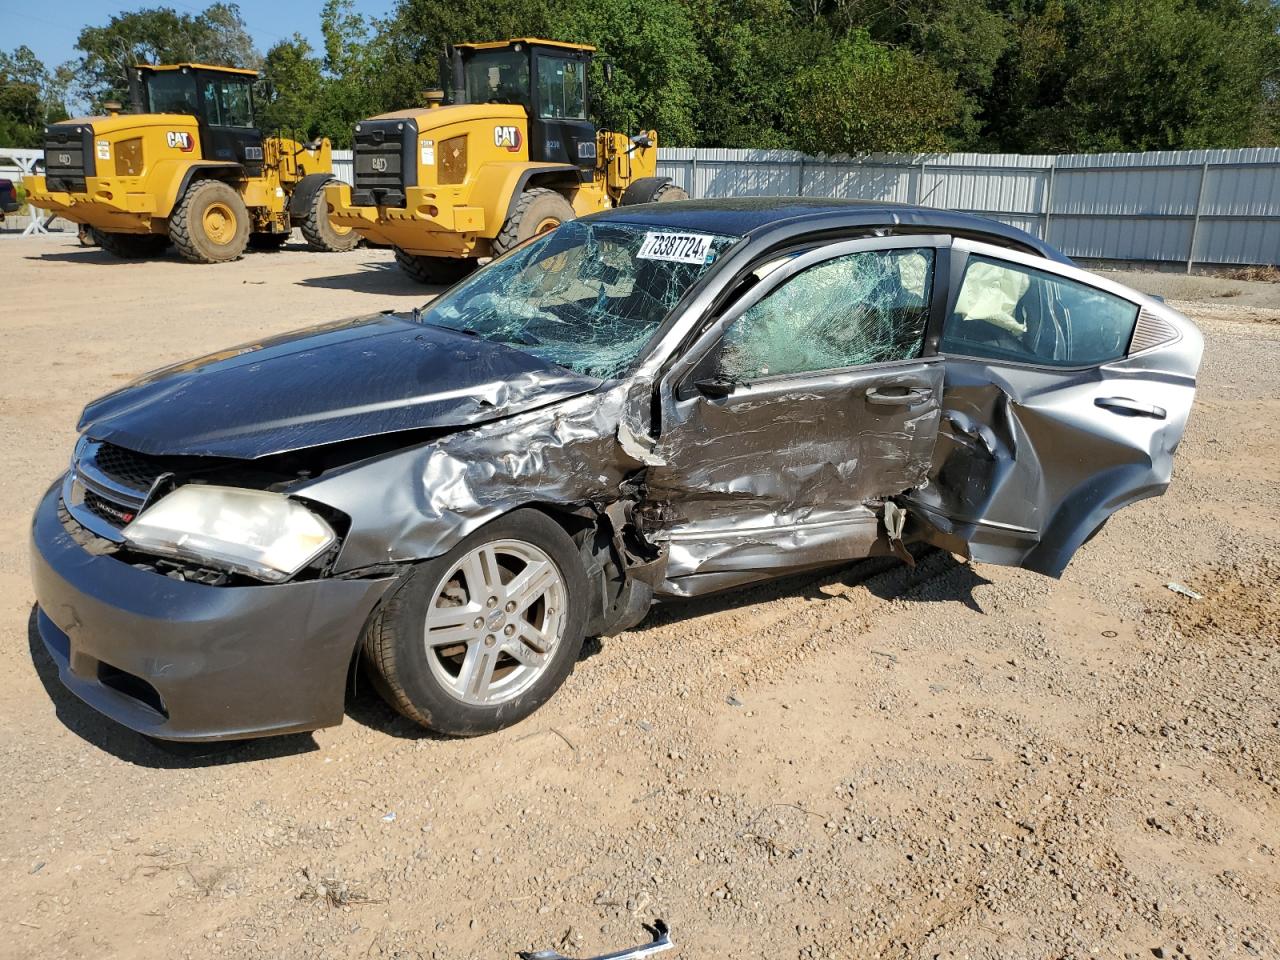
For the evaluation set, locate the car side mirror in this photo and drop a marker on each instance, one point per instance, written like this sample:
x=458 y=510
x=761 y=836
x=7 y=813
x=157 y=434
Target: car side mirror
x=715 y=388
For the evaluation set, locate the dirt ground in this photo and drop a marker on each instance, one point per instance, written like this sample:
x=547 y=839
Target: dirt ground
x=949 y=762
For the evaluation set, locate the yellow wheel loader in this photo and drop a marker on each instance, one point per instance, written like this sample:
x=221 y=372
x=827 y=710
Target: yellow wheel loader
x=188 y=166
x=512 y=155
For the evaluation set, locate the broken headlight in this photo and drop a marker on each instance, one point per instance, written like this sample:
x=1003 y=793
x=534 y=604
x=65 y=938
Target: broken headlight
x=264 y=535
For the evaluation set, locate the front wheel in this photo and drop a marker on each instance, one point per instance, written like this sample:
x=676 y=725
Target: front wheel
x=321 y=233
x=537 y=211
x=210 y=224
x=479 y=638
x=440 y=271
x=129 y=246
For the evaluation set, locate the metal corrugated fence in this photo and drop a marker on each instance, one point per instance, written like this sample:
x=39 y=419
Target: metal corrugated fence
x=1192 y=206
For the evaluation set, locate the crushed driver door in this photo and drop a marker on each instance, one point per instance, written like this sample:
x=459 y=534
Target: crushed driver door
x=800 y=408
x=1066 y=396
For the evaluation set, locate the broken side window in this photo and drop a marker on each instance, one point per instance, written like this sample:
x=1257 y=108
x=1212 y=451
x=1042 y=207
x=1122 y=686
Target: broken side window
x=866 y=307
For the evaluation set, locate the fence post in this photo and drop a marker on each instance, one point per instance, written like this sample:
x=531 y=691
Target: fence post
x=1048 y=197
x=693 y=175
x=800 y=179
x=1195 y=224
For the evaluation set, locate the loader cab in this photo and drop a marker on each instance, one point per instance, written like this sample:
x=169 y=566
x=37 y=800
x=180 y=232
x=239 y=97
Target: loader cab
x=220 y=99
x=547 y=78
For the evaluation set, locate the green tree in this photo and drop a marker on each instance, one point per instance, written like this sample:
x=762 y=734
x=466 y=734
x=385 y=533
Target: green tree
x=659 y=65
x=30 y=97
x=159 y=35
x=291 y=101
x=753 y=48
x=1171 y=74
x=865 y=97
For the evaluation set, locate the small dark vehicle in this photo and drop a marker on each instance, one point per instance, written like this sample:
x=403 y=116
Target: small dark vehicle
x=8 y=199
x=657 y=401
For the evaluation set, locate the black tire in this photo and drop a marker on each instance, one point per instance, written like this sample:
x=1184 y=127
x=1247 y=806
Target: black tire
x=438 y=271
x=669 y=192
x=187 y=223
x=130 y=246
x=267 y=241
x=537 y=211
x=395 y=648
x=321 y=234
x=651 y=190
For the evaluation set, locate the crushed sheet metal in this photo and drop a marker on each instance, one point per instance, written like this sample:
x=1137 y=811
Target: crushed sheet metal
x=1028 y=465
x=420 y=501
x=1184 y=590
x=661 y=941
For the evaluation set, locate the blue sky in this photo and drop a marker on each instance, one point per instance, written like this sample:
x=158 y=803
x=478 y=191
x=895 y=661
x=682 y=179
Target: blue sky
x=51 y=29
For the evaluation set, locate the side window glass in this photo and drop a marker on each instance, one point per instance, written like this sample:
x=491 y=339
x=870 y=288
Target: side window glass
x=562 y=88
x=1010 y=312
x=235 y=105
x=212 y=110
x=866 y=307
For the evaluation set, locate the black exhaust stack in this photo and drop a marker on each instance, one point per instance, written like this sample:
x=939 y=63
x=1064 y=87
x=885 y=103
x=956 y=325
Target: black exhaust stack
x=134 y=76
x=459 y=77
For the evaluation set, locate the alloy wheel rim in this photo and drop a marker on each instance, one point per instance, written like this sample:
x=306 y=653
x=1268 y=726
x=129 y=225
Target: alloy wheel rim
x=219 y=222
x=494 y=622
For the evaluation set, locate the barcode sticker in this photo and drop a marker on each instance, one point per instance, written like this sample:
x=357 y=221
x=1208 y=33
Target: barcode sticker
x=680 y=247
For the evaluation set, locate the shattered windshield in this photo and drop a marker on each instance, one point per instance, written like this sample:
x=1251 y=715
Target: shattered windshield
x=587 y=296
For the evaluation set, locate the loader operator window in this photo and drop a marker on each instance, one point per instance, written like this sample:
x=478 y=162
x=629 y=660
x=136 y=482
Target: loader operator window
x=172 y=92
x=498 y=76
x=562 y=89
x=237 y=109
x=227 y=103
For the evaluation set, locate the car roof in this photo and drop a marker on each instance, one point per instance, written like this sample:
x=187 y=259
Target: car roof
x=759 y=216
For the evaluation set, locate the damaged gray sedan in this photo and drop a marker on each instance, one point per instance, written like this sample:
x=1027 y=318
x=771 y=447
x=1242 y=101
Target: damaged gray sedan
x=657 y=401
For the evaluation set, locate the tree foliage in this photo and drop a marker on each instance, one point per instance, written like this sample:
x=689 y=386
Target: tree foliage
x=159 y=35
x=903 y=102
x=817 y=75
x=30 y=97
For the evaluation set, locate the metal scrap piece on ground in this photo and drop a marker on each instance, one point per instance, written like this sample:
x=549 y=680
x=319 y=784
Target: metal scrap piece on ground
x=661 y=941
x=1184 y=590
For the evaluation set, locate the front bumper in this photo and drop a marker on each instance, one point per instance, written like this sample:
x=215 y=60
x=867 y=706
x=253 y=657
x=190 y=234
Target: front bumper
x=429 y=223
x=118 y=204
x=219 y=662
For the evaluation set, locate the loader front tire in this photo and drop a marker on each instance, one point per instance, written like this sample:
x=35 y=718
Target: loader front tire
x=320 y=232
x=537 y=211
x=438 y=271
x=210 y=224
x=130 y=246
x=669 y=192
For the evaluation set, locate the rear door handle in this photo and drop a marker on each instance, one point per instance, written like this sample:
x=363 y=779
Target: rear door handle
x=884 y=399
x=1130 y=408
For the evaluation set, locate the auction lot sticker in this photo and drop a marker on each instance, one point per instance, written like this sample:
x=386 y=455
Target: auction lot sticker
x=680 y=247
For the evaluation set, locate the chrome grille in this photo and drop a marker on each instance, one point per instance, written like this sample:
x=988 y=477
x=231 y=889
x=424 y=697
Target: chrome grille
x=136 y=470
x=107 y=486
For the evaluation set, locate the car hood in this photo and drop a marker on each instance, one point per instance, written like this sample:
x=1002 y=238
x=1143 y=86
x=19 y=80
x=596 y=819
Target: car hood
x=345 y=381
